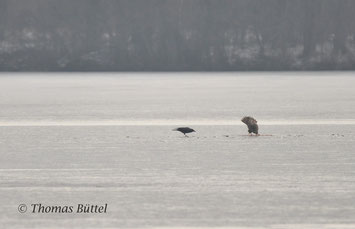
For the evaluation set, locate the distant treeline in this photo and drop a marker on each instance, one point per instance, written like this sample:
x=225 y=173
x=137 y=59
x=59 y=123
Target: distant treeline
x=182 y=35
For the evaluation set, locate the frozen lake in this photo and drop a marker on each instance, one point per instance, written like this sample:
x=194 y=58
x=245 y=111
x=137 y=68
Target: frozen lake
x=67 y=139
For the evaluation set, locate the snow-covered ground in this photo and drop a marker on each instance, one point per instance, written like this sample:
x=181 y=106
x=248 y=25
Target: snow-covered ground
x=106 y=138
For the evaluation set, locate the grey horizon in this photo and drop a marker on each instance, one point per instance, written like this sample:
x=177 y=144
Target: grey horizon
x=176 y=35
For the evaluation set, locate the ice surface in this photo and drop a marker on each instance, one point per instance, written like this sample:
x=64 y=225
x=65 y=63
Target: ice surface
x=303 y=176
x=180 y=96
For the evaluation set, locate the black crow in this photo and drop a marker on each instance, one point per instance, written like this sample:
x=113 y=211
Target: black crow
x=252 y=125
x=184 y=130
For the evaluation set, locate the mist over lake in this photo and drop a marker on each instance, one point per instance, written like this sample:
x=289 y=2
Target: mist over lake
x=176 y=35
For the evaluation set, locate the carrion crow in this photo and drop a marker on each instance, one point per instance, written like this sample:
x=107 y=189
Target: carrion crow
x=184 y=130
